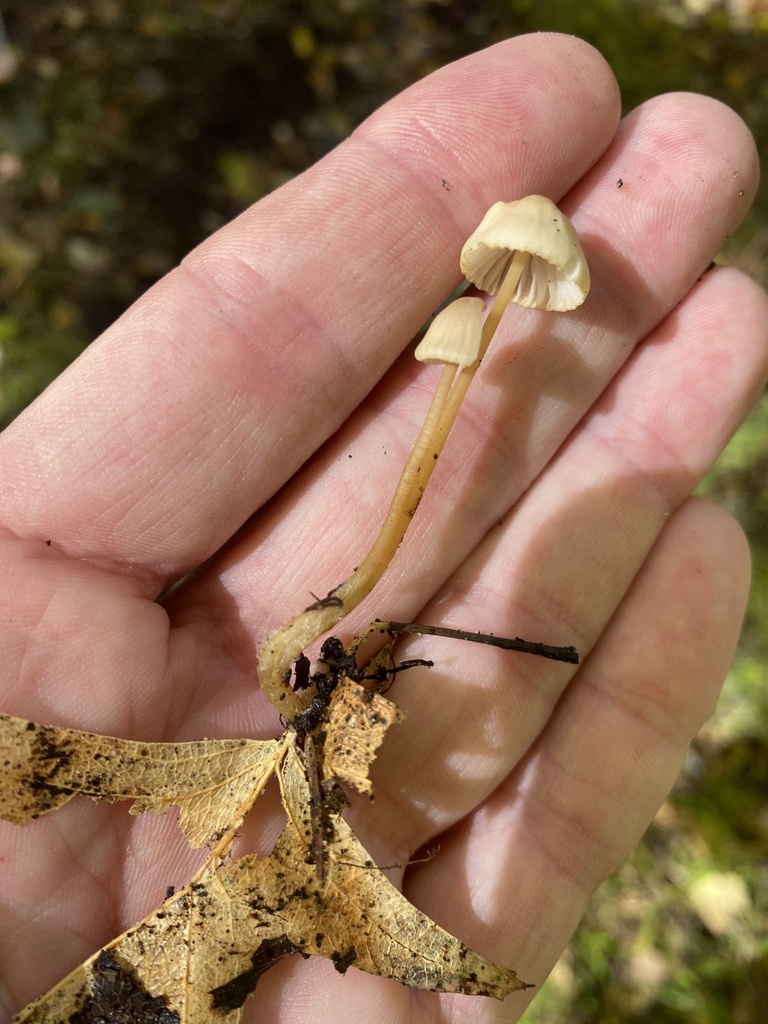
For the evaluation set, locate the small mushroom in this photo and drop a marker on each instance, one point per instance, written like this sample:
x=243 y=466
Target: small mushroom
x=454 y=335
x=532 y=240
x=526 y=252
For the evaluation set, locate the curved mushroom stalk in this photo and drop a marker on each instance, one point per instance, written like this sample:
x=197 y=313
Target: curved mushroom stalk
x=525 y=252
x=453 y=338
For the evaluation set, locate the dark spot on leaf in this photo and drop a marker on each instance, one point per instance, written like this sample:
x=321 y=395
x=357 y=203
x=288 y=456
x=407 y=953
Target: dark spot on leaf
x=231 y=995
x=48 y=756
x=341 y=961
x=118 y=997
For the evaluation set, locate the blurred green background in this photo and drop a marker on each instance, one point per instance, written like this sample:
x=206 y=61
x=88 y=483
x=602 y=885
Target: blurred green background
x=131 y=130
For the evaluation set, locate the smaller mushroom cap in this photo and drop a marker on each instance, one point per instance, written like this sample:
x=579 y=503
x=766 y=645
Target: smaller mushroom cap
x=454 y=335
x=556 y=276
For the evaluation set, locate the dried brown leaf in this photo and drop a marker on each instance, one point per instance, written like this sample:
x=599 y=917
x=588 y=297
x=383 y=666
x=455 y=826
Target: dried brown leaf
x=357 y=722
x=197 y=958
x=213 y=782
x=357 y=916
x=166 y=967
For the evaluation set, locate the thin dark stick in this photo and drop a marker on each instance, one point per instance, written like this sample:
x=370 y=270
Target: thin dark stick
x=568 y=654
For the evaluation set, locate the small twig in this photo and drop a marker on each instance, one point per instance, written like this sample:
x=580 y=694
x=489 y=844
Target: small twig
x=567 y=654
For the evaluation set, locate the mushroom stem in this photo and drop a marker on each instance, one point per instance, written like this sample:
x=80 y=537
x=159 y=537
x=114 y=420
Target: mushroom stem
x=285 y=645
x=504 y=295
x=408 y=493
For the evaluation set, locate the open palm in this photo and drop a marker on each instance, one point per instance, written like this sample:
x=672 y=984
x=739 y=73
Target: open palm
x=252 y=412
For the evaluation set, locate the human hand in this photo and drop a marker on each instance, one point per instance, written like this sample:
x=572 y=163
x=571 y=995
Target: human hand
x=252 y=410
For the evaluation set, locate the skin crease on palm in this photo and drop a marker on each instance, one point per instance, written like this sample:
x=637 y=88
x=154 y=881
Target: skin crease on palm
x=255 y=407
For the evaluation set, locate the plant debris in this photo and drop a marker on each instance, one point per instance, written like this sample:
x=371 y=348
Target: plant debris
x=214 y=783
x=198 y=957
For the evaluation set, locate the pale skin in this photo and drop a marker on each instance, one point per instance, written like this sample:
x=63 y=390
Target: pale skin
x=204 y=407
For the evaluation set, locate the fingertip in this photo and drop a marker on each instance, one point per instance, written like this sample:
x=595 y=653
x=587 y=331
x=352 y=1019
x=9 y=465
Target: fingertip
x=518 y=106
x=719 y=541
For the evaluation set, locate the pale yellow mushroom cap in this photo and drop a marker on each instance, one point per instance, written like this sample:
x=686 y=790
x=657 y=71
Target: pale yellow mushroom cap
x=454 y=335
x=556 y=276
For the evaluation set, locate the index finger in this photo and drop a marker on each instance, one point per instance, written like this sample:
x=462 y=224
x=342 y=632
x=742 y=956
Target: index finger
x=185 y=416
